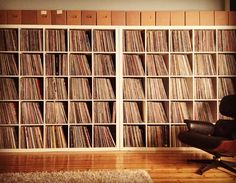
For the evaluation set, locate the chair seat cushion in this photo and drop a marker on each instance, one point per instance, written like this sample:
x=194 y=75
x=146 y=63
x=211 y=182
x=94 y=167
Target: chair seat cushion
x=201 y=141
x=227 y=147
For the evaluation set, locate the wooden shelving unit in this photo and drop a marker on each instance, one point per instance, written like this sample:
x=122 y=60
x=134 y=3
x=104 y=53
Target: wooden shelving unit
x=110 y=87
x=178 y=70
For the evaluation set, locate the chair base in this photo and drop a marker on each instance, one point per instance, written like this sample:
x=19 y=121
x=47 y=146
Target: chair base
x=214 y=163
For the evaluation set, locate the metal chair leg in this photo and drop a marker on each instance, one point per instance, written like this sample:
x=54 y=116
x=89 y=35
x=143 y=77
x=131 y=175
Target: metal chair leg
x=207 y=167
x=227 y=166
x=214 y=163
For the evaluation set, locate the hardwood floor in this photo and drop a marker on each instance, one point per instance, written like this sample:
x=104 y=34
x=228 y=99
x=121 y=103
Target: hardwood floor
x=162 y=165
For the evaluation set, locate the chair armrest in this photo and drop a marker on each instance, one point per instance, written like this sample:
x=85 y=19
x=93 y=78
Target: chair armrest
x=202 y=127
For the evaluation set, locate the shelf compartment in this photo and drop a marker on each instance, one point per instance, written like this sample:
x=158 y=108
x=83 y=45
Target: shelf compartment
x=31 y=137
x=9 y=113
x=80 y=88
x=205 y=111
x=56 y=113
x=157 y=88
x=134 y=136
x=157 y=65
x=9 y=89
x=181 y=111
x=175 y=130
x=8 y=137
x=9 y=64
x=181 y=88
x=104 y=88
x=226 y=86
x=204 y=64
x=134 y=40
x=56 y=40
x=157 y=41
x=31 y=40
x=9 y=39
x=104 y=41
x=56 y=136
x=133 y=112
x=104 y=112
x=225 y=42
x=133 y=64
x=32 y=113
x=181 y=41
x=227 y=64
x=80 y=136
x=31 y=88
x=133 y=88
x=104 y=64
x=80 y=64
x=31 y=64
x=56 y=64
x=80 y=112
x=56 y=88
x=205 y=88
x=181 y=64
x=80 y=40
x=205 y=40
x=157 y=112
x=104 y=136
x=157 y=136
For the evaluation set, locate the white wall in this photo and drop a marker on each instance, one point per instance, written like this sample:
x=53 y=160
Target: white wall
x=114 y=4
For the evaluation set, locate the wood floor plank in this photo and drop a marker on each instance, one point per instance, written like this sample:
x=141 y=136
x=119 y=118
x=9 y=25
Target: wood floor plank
x=164 y=166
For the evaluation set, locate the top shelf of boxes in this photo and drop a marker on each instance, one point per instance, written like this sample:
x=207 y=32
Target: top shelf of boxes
x=118 y=18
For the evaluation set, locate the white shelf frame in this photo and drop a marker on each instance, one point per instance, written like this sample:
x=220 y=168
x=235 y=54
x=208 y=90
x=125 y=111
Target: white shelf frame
x=118 y=80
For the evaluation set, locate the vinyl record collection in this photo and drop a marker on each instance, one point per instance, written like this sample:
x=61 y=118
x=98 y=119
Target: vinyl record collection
x=110 y=87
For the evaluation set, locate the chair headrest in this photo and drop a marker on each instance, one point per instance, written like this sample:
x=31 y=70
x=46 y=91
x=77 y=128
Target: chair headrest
x=228 y=106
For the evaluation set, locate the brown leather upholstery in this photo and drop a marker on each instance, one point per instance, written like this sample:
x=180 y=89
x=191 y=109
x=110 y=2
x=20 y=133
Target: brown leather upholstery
x=218 y=139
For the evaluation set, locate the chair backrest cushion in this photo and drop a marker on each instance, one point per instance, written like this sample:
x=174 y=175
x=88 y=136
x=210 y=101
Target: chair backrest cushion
x=225 y=128
x=228 y=106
